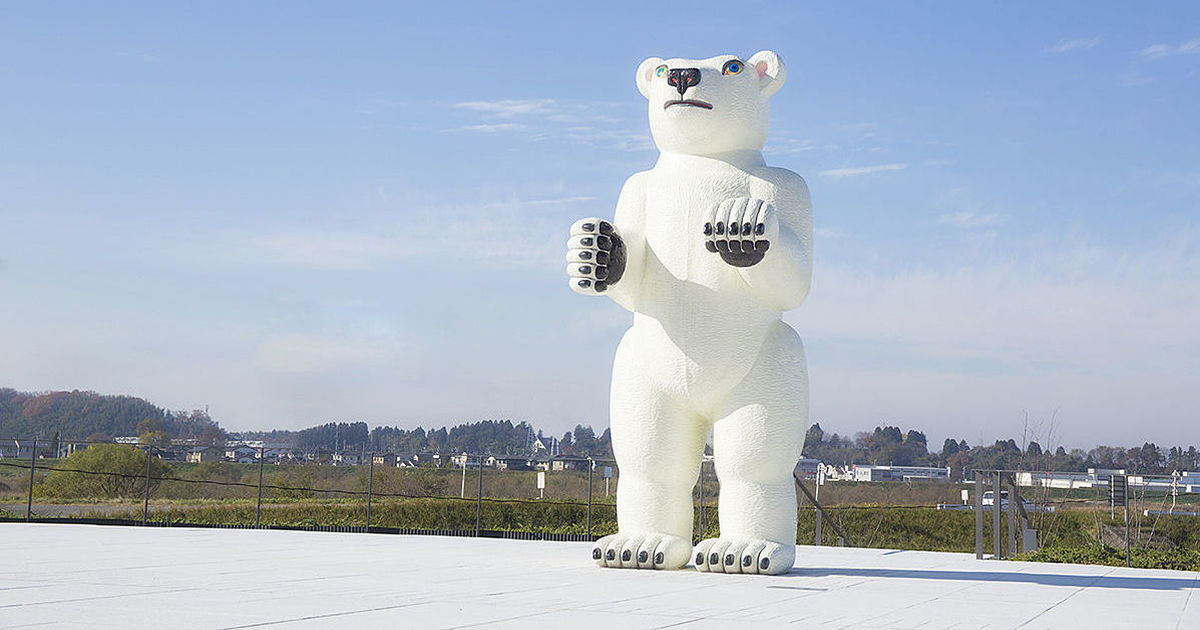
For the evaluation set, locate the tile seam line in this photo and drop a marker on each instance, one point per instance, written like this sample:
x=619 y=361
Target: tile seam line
x=1064 y=600
x=98 y=597
x=326 y=616
x=935 y=598
x=1179 y=623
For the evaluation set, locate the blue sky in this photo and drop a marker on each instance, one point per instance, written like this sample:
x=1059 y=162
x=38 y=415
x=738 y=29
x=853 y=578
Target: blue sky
x=295 y=213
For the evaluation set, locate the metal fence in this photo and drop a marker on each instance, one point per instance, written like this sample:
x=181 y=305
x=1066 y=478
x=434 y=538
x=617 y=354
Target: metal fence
x=594 y=499
x=470 y=497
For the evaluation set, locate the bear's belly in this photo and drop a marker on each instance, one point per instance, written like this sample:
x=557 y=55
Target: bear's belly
x=696 y=345
x=700 y=325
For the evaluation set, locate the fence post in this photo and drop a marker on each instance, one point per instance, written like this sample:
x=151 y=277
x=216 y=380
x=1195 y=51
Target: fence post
x=32 y=466
x=258 y=505
x=591 y=467
x=1013 y=499
x=700 y=534
x=996 y=515
x=370 y=488
x=1125 y=482
x=479 y=499
x=146 y=503
x=978 y=505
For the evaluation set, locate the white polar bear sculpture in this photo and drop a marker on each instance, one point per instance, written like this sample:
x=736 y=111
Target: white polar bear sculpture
x=707 y=249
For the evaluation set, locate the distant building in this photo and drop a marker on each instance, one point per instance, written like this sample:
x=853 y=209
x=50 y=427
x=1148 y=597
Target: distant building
x=568 y=462
x=808 y=468
x=241 y=454
x=513 y=463
x=348 y=459
x=204 y=454
x=385 y=459
x=900 y=473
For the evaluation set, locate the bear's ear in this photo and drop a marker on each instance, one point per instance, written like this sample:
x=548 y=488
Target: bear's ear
x=645 y=74
x=771 y=71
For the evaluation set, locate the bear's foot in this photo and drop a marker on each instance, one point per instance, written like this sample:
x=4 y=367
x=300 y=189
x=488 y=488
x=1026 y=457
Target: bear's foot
x=743 y=555
x=641 y=551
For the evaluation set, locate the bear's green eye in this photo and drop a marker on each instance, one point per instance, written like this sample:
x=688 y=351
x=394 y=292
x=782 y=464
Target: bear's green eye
x=661 y=71
x=733 y=66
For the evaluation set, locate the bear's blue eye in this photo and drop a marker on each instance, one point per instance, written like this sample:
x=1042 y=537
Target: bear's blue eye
x=661 y=71
x=733 y=66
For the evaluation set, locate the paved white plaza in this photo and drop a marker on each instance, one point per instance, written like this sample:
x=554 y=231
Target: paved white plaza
x=80 y=576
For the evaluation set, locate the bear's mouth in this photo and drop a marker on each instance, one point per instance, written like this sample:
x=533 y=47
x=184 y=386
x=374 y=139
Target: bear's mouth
x=689 y=102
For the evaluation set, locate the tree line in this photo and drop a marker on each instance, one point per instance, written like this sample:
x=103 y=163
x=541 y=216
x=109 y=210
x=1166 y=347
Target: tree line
x=99 y=417
x=888 y=445
x=495 y=437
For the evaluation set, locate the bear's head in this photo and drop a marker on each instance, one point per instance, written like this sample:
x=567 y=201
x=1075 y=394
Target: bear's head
x=710 y=106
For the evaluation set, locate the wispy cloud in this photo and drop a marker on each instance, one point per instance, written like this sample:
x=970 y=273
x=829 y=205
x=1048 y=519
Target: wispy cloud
x=971 y=220
x=1102 y=332
x=862 y=170
x=459 y=232
x=786 y=145
x=1074 y=44
x=309 y=353
x=1155 y=51
x=508 y=108
x=489 y=127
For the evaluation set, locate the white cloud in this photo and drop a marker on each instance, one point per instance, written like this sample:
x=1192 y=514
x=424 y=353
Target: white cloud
x=489 y=127
x=968 y=220
x=1105 y=334
x=513 y=232
x=862 y=170
x=590 y=123
x=308 y=353
x=508 y=108
x=1155 y=51
x=1074 y=44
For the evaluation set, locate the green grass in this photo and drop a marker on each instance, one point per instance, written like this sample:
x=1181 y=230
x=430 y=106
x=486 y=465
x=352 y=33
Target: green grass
x=1141 y=558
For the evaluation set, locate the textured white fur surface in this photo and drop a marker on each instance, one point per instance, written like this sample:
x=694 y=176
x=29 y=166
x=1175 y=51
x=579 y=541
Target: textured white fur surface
x=708 y=348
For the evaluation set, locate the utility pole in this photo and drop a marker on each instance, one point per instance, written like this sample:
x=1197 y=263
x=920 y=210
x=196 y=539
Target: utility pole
x=32 y=467
x=146 y=504
x=370 y=489
x=258 y=505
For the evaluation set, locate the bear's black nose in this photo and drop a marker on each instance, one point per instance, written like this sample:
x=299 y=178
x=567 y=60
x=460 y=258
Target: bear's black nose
x=683 y=78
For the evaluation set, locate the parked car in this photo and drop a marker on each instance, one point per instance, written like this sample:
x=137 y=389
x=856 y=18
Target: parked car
x=989 y=498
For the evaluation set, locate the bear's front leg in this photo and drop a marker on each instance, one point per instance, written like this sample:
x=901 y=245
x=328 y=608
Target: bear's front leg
x=741 y=230
x=595 y=256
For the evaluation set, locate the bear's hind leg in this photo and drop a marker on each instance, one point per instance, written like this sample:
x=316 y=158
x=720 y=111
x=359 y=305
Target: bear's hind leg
x=658 y=444
x=757 y=440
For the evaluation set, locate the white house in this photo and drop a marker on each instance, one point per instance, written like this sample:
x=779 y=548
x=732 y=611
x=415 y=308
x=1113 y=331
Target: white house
x=900 y=473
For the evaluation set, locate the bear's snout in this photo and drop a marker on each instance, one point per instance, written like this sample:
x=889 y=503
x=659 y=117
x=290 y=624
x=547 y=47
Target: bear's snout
x=683 y=78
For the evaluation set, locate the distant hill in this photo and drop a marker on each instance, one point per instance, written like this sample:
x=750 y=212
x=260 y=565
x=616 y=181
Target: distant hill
x=78 y=415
